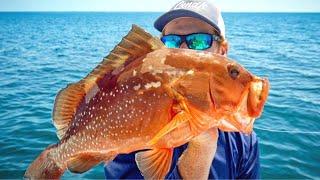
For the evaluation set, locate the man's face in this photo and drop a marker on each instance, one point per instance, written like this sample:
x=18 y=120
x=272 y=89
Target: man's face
x=188 y=25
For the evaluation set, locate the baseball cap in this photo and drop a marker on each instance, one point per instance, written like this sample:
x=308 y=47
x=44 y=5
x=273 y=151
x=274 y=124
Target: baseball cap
x=204 y=10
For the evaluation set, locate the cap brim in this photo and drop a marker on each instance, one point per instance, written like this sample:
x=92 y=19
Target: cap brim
x=163 y=20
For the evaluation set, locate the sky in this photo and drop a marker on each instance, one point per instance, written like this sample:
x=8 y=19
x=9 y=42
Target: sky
x=157 y=5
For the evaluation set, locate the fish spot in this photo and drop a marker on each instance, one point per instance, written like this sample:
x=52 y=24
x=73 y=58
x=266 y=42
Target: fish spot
x=137 y=87
x=152 y=84
x=190 y=72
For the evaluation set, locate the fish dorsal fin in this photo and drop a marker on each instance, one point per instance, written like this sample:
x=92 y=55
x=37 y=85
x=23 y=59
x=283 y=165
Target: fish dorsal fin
x=135 y=44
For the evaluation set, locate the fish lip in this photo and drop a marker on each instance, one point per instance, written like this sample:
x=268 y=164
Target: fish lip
x=265 y=91
x=255 y=105
x=254 y=109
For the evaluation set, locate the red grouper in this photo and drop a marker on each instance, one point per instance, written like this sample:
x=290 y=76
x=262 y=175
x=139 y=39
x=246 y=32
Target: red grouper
x=144 y=96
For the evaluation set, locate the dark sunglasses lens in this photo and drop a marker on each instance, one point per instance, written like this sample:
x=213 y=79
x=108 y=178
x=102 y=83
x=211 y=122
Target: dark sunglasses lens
x=199 y=41
x=171 y=41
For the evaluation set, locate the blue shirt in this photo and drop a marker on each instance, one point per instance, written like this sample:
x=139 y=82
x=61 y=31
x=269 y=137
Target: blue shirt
x=237 y=157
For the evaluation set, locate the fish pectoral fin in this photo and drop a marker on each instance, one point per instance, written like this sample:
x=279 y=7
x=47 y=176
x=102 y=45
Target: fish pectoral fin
x=85 y=161
x=155 y=163
x=200 y=121
x=177 y=120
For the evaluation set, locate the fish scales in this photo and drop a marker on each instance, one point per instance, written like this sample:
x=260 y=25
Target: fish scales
x=123 y=116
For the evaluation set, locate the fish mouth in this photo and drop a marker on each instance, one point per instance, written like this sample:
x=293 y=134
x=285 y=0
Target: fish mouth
x=235 y=122
x=250 y=107
x=257 y=97
x=239 y=120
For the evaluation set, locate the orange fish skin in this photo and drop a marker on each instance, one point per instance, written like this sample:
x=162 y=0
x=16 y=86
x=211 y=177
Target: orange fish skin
x=128 y=109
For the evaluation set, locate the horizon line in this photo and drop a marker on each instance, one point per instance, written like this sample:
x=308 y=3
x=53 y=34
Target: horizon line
x=154 y=11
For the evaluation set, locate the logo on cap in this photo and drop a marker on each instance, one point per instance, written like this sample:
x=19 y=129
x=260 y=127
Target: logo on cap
x=190 y=5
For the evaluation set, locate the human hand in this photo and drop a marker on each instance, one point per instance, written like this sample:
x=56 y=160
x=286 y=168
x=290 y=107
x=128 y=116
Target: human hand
x=196 y=160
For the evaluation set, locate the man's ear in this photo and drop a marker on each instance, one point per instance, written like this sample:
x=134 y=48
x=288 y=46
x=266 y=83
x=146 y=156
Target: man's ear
x=224 y=47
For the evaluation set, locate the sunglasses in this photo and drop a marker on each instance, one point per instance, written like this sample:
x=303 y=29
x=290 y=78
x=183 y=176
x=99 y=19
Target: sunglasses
x=196 y=41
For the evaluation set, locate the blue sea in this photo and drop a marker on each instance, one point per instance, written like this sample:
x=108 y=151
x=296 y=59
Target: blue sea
x=40 y=53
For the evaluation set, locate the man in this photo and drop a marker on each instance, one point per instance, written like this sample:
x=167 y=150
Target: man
x=198 y=24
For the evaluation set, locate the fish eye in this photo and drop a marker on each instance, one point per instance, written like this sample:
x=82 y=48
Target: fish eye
x=233 y=71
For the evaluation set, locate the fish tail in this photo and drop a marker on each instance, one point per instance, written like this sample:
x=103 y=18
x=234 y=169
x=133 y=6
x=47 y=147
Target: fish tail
x=44 y=167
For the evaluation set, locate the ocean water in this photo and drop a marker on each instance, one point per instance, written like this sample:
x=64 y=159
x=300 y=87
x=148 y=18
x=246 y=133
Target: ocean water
x=40 y=53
